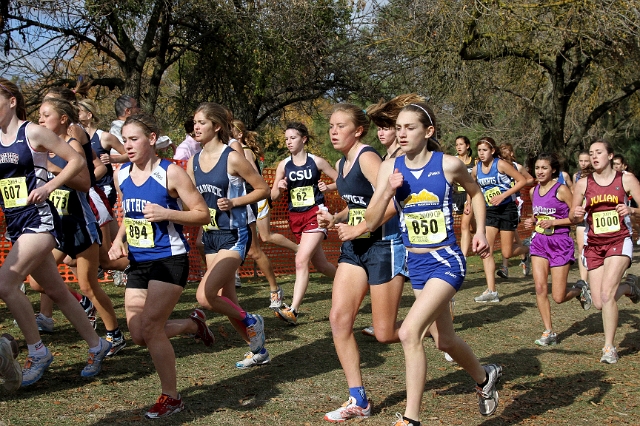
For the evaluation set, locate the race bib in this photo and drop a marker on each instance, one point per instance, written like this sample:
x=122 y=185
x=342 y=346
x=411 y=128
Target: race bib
x=605 y=222
x=426 y=227
x=490 y=193
x=139 y=232
x=14 y=192
x=547 y=231
x=355 y=217
x=458 y=188
x=302 y=196
x=213 y=224
x=60 y=199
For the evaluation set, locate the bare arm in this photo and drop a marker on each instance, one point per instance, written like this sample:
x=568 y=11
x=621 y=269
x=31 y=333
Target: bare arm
x=81 y=181
x=279 y=182
x=577 y=212
x=386 y=184
x=238 y=166
x=109 y=142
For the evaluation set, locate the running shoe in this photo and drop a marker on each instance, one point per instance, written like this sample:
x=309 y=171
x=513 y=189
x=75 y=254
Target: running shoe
x=585 y=294
x=204 y=333
x=117 y=344
x=403 y=421
x=94 y=361
x=255 y=332
x=547 y=338
x=287 y=314
x=503 y=272
x=10 y=370
x=448 y=357
x=276 y=299
x=368 y=331
x=250 y=359
x=526 y=266
x=632 y=282
x=34 y=368
x=609 y=355
x=90 y=310
x=45 y=324
x=488 y=296
x=488 y=395
x=238 y=282
x=165 y=406
x=100 y=273
x=120 y=278
x=349 y=410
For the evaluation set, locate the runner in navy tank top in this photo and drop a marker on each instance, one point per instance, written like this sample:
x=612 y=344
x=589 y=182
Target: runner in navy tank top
x=299 y=174
x=422 y=195
x=220 y=175
x=152 y=193
x=370 y=260
x=552 y=247
x=608 y=248
x=31 y=221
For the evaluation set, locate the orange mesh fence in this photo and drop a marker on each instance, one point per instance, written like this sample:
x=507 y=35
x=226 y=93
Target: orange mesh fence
x=282 y=260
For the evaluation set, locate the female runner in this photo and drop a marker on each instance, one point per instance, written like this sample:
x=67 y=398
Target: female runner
x=551 y=247
x=608 y=248
x=33 y=227
x=494 y=176
x=369 y=261
x=151 y=190
x=462 y=203
x=300 y=175
x=219 y=174
x=420 y=183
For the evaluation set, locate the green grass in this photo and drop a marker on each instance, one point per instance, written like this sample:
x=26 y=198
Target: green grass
x=564 y=384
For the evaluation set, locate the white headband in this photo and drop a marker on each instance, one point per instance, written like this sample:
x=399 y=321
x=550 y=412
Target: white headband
x=425 y=111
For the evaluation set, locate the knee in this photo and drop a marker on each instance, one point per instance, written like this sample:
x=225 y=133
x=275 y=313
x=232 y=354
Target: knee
x=408 y=337
x=558 y=299
x=444 y=343
x=137 y=337
x=385 y=335
x=341 y=322
x=202 y=299
x=541 y=289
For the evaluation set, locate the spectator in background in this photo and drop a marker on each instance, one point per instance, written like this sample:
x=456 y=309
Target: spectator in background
x=189 y=147
x=125 y=106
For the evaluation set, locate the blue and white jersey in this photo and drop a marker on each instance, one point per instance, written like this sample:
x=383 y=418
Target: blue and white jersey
x=493 y=183
x=425 y=205
x=356 y=191
x=150 y=240
x=218 y=183
x=21 y=171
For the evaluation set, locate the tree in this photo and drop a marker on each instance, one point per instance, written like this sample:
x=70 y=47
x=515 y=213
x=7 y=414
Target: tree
x=567 y=62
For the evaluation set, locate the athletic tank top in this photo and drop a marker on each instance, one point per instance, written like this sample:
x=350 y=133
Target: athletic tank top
x=303 y=184
x=493 y=183
x=107 y=179
x=69 y=202
x=357 y=191
x=21 y=171
x=218 y=183
x=548 y=207
x=469 y=165
x=424 y=203
x=150 y=240
x=604 y=225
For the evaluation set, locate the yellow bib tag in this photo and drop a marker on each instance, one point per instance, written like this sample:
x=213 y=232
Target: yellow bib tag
x=139 y=232
x=355 y=217
x=14 y=192
x=426 y=227
x=490 y=193
x=458 y=188
x=60 y=199
x=605 y=222
x=547 y=231
x=213 y=225
x=302 y=196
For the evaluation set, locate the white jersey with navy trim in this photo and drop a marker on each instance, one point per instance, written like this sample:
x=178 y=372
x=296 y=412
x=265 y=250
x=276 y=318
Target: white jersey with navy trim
x=150 y=240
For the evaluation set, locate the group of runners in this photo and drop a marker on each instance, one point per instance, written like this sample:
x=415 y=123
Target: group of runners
x=397 y=226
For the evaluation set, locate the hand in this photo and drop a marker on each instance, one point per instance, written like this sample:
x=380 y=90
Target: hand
x=467 y=208
x=480 y=246
x=322 y=186
x=118 y=249
x=325 y=219
x=529 y=223
x=579 y=212
x=225 y=204
x=545 y=224
x=623 y=210
x=347 y=232
x=495 y=201
x=154 y=212
x=38 y=195
x=105 y=158
x=282 y=184
x=395 y=181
